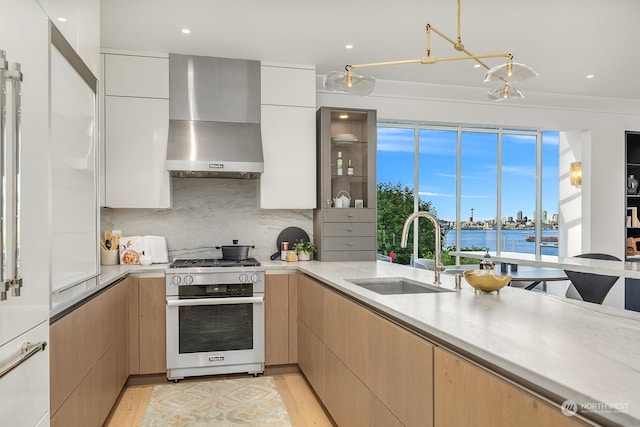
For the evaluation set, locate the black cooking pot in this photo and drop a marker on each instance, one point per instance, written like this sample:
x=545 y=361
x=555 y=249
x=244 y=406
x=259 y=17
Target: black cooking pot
x=235 y=252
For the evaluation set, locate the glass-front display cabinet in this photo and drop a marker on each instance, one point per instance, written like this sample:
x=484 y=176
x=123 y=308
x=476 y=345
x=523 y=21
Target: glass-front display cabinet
x=345 y=220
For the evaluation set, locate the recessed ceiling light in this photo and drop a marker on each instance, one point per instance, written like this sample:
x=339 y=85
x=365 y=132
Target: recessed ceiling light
x=186 y=31
x=344 y=116
x=476 y=65
x=590 y=76
x=348 y=46
x=61 y=19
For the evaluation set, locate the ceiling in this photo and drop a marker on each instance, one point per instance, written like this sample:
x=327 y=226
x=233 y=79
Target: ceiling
x=562 y=40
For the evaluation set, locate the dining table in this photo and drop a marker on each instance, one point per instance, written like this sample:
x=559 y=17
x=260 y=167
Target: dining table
x=527 y=277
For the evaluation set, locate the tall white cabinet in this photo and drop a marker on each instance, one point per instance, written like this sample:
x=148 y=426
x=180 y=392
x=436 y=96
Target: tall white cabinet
x=79 y=23
x=288 y=137
x=24 y=318
x=136 y=126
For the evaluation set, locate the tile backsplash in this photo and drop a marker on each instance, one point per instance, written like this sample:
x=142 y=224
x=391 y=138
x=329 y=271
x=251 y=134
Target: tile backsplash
x=207 y=213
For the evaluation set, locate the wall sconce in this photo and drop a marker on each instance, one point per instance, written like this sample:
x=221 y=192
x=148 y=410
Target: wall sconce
x=575 y=174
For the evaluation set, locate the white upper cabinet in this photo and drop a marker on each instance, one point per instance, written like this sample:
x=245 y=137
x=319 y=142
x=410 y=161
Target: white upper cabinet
x=139 y=76
x=136 y=148
x=288 y=85
x=136 y=127
x=79 y=23
x=288 y=137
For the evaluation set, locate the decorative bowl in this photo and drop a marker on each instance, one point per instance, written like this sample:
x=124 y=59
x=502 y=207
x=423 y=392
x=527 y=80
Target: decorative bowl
x=486 y=282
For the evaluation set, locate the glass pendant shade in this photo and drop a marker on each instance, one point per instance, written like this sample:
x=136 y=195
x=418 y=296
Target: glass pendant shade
x=505 y=92
x=344 y=81
x=513 y=72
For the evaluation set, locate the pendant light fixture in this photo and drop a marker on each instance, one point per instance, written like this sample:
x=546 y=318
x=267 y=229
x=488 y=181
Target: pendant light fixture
x=509 y=72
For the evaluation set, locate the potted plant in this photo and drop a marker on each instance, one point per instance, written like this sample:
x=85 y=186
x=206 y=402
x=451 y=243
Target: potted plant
x=304 y=250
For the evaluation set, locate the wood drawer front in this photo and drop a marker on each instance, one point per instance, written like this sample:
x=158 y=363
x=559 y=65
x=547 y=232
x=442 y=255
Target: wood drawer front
x=349 y=229
x=349 y=256
x=355 y=243
x=349 y=215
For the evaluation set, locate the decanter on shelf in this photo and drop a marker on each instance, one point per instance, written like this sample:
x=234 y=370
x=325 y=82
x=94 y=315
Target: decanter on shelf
x=632 y=185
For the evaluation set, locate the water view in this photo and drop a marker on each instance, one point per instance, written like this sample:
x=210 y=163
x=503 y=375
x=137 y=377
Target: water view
x=512 y=240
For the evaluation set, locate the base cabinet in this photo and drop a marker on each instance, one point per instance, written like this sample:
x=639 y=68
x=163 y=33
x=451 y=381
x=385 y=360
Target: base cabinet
x=281 y=319
x=364 y=368
x=466 y=394
x=88 y=359
x=369 y=371
x=147 y=326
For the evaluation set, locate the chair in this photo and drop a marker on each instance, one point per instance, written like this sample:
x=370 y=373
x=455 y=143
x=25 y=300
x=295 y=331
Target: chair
x=588 y=286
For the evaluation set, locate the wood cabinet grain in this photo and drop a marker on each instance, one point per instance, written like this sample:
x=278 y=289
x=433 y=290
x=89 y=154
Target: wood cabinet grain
x=360 y=363
x=276 y=297
x=281 y=319
x=152 y=317
x=466 y=394
x=89 y=360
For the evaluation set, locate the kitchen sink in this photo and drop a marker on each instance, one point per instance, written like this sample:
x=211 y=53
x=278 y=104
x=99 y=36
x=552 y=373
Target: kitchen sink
x=397 y=286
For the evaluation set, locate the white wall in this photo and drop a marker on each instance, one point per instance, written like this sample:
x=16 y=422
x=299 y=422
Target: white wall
x=594 y=131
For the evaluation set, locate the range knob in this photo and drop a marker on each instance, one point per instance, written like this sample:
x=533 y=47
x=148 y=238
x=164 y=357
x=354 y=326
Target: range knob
x=175 y=280
x=255 y=278
x=188 y=280
x=244 y=278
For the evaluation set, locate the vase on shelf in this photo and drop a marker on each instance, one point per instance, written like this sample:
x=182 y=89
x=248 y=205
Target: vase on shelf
x=632 y=185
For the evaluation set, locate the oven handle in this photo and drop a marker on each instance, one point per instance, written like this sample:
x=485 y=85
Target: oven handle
x=214 y=301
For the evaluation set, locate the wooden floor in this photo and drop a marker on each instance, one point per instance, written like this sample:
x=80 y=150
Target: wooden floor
x=302 y=405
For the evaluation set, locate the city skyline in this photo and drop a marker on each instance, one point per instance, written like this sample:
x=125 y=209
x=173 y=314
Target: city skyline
x=437 y=174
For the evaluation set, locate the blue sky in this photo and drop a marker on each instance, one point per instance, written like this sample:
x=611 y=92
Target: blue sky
x=437 y=162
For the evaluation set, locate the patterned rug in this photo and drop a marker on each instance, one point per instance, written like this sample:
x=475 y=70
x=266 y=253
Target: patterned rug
x=229 y=402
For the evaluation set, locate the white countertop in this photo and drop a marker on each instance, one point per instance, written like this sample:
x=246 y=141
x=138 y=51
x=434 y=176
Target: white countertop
x=61 y=301
x=576 y=350
x=580 y=351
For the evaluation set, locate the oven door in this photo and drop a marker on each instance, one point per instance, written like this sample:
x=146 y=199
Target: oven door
x=215 y=332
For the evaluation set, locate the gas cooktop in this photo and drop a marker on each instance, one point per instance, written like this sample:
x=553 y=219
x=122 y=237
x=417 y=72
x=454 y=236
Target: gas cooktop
x=213 y=262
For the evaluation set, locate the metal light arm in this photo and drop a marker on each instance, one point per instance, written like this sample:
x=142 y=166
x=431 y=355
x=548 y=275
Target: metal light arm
x=433 y=59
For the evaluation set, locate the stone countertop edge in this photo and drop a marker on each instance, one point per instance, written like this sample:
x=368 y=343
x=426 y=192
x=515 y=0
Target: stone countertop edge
x=108 y=275
x=593 y=359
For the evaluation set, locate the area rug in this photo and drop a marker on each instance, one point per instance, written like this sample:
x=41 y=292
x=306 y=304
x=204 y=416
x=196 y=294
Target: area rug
x=229 y=402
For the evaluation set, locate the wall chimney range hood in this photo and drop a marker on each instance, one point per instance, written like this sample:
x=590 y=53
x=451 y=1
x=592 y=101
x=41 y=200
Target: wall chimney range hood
x=214 y=118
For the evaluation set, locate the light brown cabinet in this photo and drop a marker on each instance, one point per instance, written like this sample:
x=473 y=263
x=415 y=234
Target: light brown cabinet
x=88 y=358
x=147 y=325
x=466 y=394
x=281 y=316
x=363 y=367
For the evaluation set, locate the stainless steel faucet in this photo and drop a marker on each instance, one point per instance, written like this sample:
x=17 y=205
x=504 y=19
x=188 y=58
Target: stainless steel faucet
x=405 y=234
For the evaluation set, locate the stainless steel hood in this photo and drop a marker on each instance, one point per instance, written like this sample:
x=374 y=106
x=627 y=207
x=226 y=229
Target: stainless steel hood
x=214 y=112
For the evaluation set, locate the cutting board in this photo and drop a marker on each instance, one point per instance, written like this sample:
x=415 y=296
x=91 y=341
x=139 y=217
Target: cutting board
x=291 y=235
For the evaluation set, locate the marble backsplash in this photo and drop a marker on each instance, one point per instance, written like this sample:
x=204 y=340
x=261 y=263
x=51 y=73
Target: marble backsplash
x=207 y=213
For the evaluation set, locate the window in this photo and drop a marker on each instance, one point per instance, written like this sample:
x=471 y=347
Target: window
x=489 y=187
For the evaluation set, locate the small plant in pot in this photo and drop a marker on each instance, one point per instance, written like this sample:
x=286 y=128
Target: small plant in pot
x=304 y=250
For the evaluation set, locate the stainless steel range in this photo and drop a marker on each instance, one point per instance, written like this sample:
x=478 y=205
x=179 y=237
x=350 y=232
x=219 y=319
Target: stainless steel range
x=215 y=317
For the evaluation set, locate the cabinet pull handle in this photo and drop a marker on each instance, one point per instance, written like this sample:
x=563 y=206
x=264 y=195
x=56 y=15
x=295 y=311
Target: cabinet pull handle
x=15 y=73
x=4 y=286
x=11 y=200
x=28 y=350
x=349 y=229
x=350 y=243
x=214 y=301
x=350 y=215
